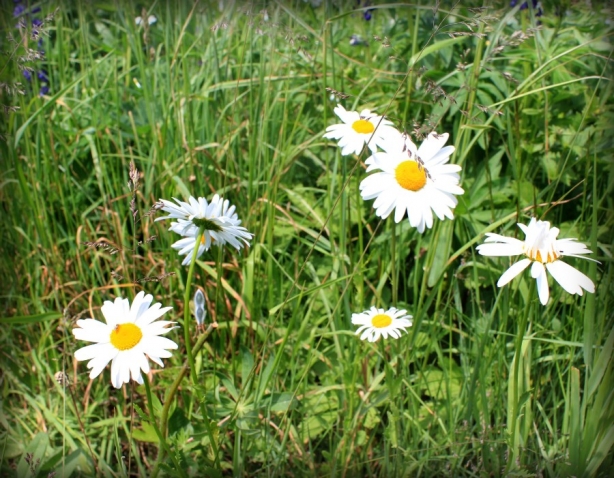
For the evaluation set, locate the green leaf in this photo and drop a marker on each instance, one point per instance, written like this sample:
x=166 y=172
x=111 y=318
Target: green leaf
x=441 y=252
x=391 y=431
x=30 y=319
x=146 y=433
x=280 y=402
x=34 y=454
x=575 y=422
x=247 y=364
x=601 y=452
x=78 y=462
x=321 y=413
x=141 y=413
x=265 y=376
x=601 y=365
x=371 y=419
x=177 y=421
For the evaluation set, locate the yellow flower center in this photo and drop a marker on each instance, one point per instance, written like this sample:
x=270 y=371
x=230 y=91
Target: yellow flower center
x=410 y=175
x=363 y=126
x=380 y=321
x=126 y=336
x=535 y=255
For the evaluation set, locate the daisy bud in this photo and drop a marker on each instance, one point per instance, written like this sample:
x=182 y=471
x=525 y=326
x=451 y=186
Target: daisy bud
x=199 y=307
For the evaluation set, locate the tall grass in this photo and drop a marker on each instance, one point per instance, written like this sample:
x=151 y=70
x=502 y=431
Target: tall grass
x=234 y=101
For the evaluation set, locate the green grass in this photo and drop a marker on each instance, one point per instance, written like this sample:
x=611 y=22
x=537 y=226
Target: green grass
x=488 y=382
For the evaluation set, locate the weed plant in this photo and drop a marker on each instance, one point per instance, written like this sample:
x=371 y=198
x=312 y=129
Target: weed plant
x=233 y=98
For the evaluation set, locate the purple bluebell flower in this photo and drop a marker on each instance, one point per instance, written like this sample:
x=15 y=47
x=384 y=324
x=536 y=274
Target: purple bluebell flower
x=366 y=15
x=523 y=6
x=19 y=9
x=26 y=15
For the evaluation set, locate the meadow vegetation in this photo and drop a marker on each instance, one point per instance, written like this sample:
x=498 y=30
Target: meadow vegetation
x=234 y=99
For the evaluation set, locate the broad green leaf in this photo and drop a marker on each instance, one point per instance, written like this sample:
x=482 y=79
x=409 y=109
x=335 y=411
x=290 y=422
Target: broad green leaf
x=146 y=433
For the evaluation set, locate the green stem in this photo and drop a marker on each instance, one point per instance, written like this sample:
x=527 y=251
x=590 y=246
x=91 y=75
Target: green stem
x=152 y=419
x=513 y=415
x=182 y=373
x=463 y=132
x=186 y=306
x=393 y=269
x=360 y=290
x=170 y=395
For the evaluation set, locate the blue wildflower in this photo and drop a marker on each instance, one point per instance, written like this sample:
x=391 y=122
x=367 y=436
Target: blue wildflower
x=21 y=10
x=536 y=6
x=366 y=15
x=18 y=11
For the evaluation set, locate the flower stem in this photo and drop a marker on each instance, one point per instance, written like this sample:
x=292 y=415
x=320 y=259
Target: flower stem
x=393 y=269
x=514 y=387
x=170 y=395
x=161 y=438
x=87 y=441
x=186 y=306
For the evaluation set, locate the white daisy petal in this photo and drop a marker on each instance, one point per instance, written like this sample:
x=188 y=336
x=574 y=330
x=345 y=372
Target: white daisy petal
x=375 y=323
x=218 y=217
x=91 y=351
x=432 y=145
x=537 y=269
x=413 y=181
x=570 y=278
x=366 y=334
x=538 y=272
x=500 y=249
x=92 y=330
x=157 y=345
x=358 y=130
x=134 y=334
x=513 y=271
x=117 y=373
x=543 y=251
x=139 y=305
x=155 y=312
x=97 y=365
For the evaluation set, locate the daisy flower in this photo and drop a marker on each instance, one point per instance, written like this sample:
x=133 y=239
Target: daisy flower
x=377 y=322
x=126 y=340
x=416 y=180
x=359 y=129
x=219 y=219
x=542 y=252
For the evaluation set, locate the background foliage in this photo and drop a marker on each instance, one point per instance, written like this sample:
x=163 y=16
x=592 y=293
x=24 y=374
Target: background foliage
x=233 y=99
